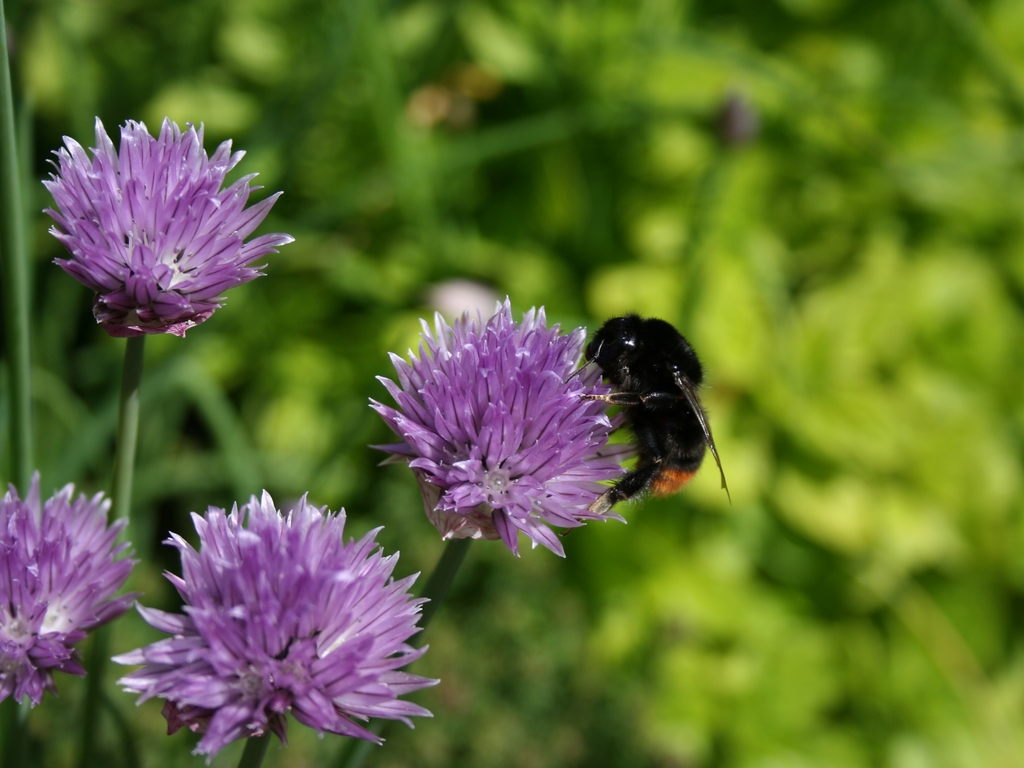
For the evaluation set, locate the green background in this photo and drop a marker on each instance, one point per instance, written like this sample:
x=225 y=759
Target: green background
x=852 y=277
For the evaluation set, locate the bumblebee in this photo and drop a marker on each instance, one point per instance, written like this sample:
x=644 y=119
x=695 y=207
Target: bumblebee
x=656 y=375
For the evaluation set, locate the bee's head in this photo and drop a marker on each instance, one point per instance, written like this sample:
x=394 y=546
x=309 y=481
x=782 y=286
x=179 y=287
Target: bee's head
x=615 y=345
x=632 y=345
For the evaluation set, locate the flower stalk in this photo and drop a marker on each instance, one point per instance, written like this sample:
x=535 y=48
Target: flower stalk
x=124 y=472
x=127 y=428
x=16 y=299
x=441 y=580
x=96 y=663
x=17 y=291
x=255 y=749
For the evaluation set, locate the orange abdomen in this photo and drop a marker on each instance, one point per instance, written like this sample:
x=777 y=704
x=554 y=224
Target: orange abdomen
x=670 y=480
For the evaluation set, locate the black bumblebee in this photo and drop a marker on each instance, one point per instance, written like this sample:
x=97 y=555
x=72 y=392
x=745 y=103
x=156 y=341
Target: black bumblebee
x=656 y=374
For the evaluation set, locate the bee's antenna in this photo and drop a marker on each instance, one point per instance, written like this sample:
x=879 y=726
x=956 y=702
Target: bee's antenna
x=586 y=362
x=577 y=372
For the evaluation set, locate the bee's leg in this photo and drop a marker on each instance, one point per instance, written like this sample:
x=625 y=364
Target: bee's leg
x=632 y=485
x=661 y=397
x=635 y=398
x=616 y=398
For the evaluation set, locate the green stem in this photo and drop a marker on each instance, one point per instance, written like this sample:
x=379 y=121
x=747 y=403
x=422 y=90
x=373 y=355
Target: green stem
x=16 y=299
x=96 y=664
x=255 y=749
x=15 y=278
x=15 y=733
x=127 y=428
x=440 y=581
x=124 y=469
x=354 y=752
x=130 y=752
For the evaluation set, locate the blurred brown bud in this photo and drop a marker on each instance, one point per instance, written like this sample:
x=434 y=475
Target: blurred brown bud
x=433 y=104
x=476 y=82
x=428 y=105
x=737 y=121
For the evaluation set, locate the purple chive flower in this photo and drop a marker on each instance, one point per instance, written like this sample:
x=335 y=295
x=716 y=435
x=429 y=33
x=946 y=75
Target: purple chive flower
x=492 y=423
x=280 y=616
x=59 y=570
x=151 y=231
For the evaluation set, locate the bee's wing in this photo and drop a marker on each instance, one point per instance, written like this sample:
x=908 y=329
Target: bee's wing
x=690 y=391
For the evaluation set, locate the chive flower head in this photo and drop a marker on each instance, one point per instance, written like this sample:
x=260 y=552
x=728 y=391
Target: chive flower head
x=150 y=230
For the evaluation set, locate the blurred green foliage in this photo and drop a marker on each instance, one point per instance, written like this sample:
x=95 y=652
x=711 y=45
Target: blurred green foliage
x=853 y=277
